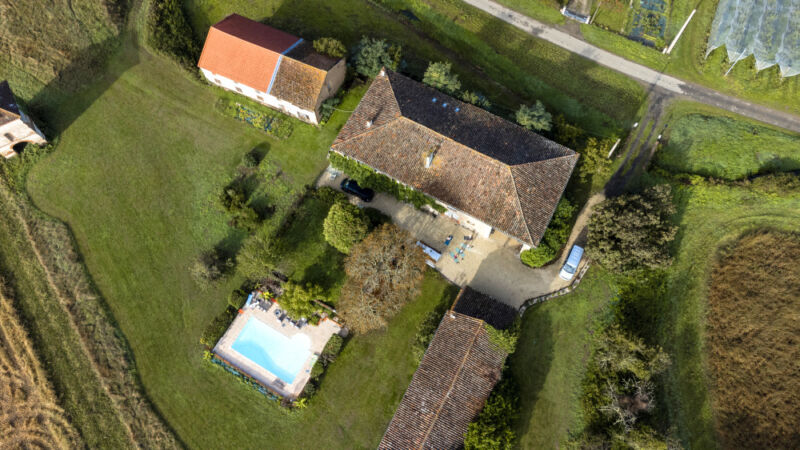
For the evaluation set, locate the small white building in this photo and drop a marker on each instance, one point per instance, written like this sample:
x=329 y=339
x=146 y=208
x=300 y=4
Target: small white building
x=488 y=173
x=271 y=67
x=15 y=126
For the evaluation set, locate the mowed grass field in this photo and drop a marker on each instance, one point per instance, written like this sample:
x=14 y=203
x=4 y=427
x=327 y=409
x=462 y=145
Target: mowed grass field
x=702 y=141
x=753 y=336
x=554 y=347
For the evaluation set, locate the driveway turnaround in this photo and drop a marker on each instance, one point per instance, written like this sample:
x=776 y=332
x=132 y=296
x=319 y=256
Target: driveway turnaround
x=637 y=71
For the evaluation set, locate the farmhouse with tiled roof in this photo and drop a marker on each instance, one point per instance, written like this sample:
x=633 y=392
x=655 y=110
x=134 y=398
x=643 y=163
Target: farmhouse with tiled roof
x=271 y=67
x=15 y=126
x=454 y=379
x=489 y=173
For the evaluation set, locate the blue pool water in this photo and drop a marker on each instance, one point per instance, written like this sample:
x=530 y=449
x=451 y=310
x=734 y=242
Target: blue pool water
x=279 y=354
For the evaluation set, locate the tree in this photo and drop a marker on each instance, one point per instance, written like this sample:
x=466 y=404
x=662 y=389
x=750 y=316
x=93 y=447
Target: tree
x=329 y=46
x=383 y=273
x=345 y=225
x=594 y=158
x=534 y=117
x=439 y=76
x=493 y=428
x=372 y=54
x=633 y=231
x=476 y=99
x=555 y=236
x=567 y=133
x=298 y=300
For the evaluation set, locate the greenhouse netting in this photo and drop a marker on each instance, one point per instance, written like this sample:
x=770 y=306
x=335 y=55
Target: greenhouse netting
x=766 y=29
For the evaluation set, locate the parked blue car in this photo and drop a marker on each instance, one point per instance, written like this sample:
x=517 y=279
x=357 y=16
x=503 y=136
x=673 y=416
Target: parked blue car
x=571 y=266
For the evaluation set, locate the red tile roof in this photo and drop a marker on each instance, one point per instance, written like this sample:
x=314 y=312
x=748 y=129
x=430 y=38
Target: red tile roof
x=245 y=51
x=451 y=385
x=485 y=166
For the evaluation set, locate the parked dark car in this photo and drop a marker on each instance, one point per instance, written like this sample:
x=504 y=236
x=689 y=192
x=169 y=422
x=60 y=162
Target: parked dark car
x=352 y=188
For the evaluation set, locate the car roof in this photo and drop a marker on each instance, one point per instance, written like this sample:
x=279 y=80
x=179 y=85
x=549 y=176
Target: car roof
x=575 y=255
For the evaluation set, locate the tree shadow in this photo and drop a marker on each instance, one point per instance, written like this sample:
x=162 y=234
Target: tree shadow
x=76 y=87
x=531 y=362
x=328 y=270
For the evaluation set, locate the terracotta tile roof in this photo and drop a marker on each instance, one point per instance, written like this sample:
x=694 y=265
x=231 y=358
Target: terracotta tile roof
x=485 y=166
x=266 y=59
x=480 y=306
x=9 y=110
x=451 y=385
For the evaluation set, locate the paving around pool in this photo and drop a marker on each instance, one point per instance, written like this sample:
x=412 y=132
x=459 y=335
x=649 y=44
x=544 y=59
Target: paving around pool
x=278 y=353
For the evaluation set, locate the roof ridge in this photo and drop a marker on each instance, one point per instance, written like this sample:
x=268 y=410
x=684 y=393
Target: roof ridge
x=452 y=384
x=365 y=132
x=519 y=204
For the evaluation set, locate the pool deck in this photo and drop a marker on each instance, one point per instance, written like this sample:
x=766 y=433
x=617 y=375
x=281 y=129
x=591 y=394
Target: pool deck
x=319 y=335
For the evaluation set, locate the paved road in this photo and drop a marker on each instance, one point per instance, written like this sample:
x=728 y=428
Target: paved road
x=637 y=71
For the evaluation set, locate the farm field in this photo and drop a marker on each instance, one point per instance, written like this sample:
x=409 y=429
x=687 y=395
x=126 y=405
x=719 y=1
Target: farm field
x=688 y=59
x=711 y=216
x=25 y=392
x=754 y=297
x=700 y=141
x=550 y=360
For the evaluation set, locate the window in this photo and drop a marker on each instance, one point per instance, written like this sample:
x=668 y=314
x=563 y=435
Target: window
x=239 y=90
x=216 y=80
x=261 y=99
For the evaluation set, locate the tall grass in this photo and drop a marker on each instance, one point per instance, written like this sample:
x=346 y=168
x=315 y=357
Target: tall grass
x=753 y=335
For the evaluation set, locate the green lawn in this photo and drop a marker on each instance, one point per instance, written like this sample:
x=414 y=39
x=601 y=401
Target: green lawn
x=550 y=361
x=136 y=176
x=705 y=142
x=544 y=10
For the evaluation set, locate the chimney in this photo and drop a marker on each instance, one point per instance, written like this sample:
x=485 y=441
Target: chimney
x=369 y=123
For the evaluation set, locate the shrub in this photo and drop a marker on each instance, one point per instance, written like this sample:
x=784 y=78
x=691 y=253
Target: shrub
x=234 y=200
x=217 y=327
x=270 y=122
x=534 y=117
x=384 y=272
x=329 y=195
x=494 y=427
x=633 y=230
x=250 y=160
x=505 y=340
x=438 y=75
x=259 y=254
x=555 y=236
x=567 y=133
x=376 y=217
x=298 y=300
x=367 y=177
x=327 y=108
x=171 y=34
x=372 y=54
x=209 y=266
x=345 y=226
x=594 y=158
x=329 y=46
x=476 y=99
x=425 y=331
x=331 y=350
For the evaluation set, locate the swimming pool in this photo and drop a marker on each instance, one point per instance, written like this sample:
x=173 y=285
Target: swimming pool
x=279 y=354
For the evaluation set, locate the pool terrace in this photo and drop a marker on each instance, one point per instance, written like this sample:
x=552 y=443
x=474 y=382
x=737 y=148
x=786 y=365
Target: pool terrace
x=258 y=340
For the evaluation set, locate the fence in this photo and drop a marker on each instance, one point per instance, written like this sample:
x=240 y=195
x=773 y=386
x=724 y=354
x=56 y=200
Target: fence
x=533 y=301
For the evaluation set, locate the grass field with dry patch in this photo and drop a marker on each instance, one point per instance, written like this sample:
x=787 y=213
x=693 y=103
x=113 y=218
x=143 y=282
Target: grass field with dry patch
x=754 y=341
x=29 y=415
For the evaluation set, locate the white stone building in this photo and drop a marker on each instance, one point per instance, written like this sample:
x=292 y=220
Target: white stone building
x=271 y=67
x=16 y=127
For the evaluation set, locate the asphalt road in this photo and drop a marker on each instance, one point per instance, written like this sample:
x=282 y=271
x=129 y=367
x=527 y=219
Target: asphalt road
x=637 y=71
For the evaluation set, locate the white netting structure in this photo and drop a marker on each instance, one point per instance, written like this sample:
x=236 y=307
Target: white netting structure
x=766 y=29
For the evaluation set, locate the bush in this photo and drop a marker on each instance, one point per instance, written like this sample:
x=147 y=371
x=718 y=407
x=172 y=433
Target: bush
x=384 y=272
x=250 y=160
x=534 y=117
x=438 y=75
x=298 y=300
x=327 y=108
x=372 y=54
x=567 y=133
x=555 y=236
x=326 y=358
x=209 y=266
x=476 y=99
x=425 y=331
x=171 y=34
x=259 y=254
x=365 y=176
x=270 y=122
x=505 y=340
x=217 y=327
x=594 y=158
x=329 y=195
x=331 y=350
x=345 y=226
x=376 y=217
x=234 y=200
x=494 y=427
x=633 y=231
x=330 y=47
